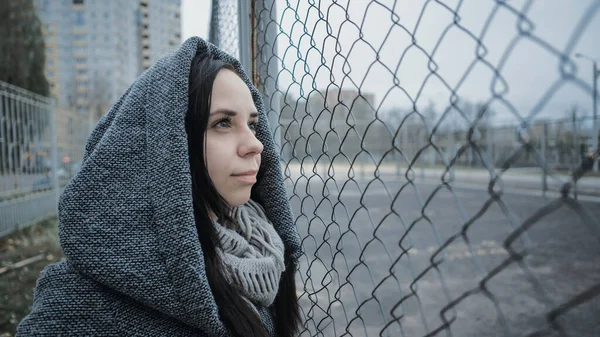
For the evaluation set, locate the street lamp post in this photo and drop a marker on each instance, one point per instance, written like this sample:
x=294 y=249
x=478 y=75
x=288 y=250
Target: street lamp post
x=595 y=75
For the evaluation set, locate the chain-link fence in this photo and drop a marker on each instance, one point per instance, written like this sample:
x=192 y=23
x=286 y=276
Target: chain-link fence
x=415 y=220
x=224 y=27
x=40 y=149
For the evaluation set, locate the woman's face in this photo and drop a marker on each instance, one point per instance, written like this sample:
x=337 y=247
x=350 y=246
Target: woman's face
x=232 y=149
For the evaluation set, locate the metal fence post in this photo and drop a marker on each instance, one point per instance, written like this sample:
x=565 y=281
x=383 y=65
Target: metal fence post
x=576 y=159
x=3 y=143
x=421 y=159
x=266 y=63
x=55 y=180
x=245 y=37
x=12 y=139
x=490 y=144
x=543 y=153
x=19 y=142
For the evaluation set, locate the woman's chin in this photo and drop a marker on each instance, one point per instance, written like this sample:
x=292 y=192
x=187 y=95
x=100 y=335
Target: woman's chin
x=239 y=199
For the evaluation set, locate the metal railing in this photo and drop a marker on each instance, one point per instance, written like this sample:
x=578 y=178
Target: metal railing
x=415 y=220
x=40 y=146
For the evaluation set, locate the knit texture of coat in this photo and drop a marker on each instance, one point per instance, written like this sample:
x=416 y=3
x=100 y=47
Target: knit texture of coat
x=134 y=263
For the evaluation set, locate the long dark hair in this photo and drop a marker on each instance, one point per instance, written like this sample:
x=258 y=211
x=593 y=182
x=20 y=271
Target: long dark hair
x=236 y=313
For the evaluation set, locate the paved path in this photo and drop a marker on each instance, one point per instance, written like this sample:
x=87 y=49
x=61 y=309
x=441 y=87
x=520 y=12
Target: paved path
x=356 y=275
x=514 y=178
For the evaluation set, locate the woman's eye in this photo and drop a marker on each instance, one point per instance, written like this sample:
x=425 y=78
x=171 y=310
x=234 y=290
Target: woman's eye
x=253 y=125
x=223 y=123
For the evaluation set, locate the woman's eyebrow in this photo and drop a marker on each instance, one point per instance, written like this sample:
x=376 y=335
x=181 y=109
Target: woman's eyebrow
x=231 y=113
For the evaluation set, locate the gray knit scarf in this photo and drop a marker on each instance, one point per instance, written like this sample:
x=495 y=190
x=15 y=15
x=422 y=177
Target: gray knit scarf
x=252 y=254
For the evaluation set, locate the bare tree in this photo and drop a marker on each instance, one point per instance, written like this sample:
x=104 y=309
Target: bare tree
x=22 y=47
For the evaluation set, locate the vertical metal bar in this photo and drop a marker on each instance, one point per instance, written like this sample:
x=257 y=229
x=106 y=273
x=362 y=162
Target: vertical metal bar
x=432 y=153
x=395 y=155
x=36 y=137
x=595 y=109
x=12 y=136
x=490 y=143
x=266 y=64
x=34 y=149
x=47 y=140
x=245 y=37
x=26 y=143
x=19 y=163
x=419 y=147
x=3 y=143
x=55 y=182
x=576 y=152
x=27 y=136
x=543 y=152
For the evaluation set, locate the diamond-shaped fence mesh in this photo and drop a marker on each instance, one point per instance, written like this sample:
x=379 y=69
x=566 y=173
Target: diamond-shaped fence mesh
x=439 y=159
x=224 y=28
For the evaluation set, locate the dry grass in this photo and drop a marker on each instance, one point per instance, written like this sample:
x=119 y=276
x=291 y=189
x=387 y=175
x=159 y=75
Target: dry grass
x=40 y=242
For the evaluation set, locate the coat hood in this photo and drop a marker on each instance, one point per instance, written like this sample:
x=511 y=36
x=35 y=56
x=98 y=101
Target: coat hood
x=126 y=219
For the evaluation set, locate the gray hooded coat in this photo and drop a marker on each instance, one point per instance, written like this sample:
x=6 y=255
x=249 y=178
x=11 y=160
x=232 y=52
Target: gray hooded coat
x=134 y=263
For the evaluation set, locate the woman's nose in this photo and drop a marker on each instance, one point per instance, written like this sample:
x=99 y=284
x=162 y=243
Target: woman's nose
x=250 y=144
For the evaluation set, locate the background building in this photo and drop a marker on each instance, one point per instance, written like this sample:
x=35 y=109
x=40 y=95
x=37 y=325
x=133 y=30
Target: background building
x=160 y=29
x=95 y=49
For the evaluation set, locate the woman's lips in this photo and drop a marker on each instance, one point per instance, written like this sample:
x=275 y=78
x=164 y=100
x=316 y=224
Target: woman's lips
x=247 y=177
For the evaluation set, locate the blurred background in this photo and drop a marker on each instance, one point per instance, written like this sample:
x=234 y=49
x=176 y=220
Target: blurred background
x=70 y=61
x=63 y=63
x=440 y=157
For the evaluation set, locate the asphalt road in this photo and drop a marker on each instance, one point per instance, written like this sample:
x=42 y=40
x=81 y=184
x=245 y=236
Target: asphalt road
x=357 y=281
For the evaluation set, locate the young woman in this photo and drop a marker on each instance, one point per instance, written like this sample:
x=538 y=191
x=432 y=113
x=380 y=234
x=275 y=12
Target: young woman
x=177 y=223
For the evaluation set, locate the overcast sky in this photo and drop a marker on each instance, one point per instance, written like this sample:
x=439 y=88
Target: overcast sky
x=530 y=67
x=195 y=18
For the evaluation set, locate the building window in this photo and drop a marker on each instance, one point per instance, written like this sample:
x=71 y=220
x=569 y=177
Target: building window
x=77 y=2
x=79 y=19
